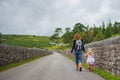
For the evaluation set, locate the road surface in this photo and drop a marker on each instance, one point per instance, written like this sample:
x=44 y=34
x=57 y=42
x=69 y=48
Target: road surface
x=52 y=67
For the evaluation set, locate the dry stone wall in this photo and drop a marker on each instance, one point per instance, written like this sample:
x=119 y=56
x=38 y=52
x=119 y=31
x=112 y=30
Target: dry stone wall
x=107 y=54
x=12 y=54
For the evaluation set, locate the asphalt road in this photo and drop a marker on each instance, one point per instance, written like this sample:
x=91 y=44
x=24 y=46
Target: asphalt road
x=53 y=67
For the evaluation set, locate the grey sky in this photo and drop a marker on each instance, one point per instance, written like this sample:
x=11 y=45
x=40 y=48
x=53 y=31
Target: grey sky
x=41 y=17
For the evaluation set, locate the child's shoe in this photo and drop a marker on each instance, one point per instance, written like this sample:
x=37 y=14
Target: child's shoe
x=89 y=69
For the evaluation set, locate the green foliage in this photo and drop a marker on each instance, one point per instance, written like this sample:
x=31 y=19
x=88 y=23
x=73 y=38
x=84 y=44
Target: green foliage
x=67 y=37
x=116 y=29
x=88 y=33
x=53 y=38
x=102 y=73
x=67 y=29
x=58 y=31
x=56 y=36
x=26 y=41
x=109 y=32
x=78 y=28
x=95 y=33
x=96 y=30
x=99 y=37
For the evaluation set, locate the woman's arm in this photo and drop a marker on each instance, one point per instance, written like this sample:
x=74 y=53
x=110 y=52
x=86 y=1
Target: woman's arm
x=73 y=45
x=83 y=45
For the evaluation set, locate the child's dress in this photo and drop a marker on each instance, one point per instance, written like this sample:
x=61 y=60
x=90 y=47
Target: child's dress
x=90 y=60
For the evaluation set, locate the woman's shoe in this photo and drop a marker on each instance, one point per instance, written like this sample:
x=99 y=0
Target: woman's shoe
x=76 y=67
x=80 y=69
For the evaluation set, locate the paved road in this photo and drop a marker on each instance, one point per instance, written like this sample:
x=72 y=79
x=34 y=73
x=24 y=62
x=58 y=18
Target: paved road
x=53 y=67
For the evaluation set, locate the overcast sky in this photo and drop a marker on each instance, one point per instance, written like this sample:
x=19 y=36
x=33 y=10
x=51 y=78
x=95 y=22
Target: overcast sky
x=41 y=17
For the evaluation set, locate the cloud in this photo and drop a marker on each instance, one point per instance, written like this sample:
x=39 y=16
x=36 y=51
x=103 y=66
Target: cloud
x=41 y=17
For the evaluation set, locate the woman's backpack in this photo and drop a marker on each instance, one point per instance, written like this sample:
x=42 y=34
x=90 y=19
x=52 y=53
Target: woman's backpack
x=78 y=45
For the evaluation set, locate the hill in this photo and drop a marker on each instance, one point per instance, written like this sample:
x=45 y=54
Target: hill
x=30 y=41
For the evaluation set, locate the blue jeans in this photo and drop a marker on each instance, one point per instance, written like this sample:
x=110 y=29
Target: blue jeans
x=78 y=56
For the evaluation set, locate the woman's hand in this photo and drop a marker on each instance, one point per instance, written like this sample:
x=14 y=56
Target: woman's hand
x=84 y=54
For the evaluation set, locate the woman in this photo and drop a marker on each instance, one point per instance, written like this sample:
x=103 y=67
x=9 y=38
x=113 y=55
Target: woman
x=78 y=49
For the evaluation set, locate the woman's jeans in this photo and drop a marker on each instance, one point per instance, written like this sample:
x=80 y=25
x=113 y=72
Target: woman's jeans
x=78 y=57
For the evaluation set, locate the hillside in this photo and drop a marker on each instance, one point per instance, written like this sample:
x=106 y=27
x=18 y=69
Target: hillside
x=26 y=41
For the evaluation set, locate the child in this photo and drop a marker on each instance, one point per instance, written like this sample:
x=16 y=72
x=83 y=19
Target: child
x=90 y=59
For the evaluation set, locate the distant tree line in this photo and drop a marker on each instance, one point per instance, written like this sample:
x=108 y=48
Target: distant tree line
x=88 y=33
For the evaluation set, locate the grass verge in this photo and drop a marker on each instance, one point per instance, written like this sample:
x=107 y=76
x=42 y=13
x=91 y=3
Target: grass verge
x=6 y=67
x=105 y=75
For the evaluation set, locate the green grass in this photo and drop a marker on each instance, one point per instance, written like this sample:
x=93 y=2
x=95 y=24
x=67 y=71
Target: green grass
x=6 y=67
x=55 y=47
x=104 y=74
x=26 y=41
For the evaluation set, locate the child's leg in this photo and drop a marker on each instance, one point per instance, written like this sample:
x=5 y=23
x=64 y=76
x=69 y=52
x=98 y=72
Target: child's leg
x=89 y=67
x=92 y=67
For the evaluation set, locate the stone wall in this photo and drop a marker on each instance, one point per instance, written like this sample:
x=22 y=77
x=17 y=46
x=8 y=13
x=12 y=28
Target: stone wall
x=107 y=54
x=12 y=54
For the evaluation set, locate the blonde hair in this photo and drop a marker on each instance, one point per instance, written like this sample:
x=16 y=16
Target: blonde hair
x=89 y=51
x=77 y=36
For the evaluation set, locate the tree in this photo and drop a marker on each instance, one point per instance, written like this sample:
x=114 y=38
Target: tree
x=79 y=28
x=88 y=35
x=95 y=30
x=67 y=29
x=116 y=28
x=58 y=31
x=99 y=36
x=56 y=36
x=67 y=37
x=52 y=38
x=103 y=28
x=108 y=32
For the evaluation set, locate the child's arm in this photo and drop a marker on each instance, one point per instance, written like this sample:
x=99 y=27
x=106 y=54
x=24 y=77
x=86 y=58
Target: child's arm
x=92 y=55
x=85 y=54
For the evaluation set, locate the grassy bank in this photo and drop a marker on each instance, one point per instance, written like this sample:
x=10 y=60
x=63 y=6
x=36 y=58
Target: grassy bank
x=26 y=41
x=105 y=75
